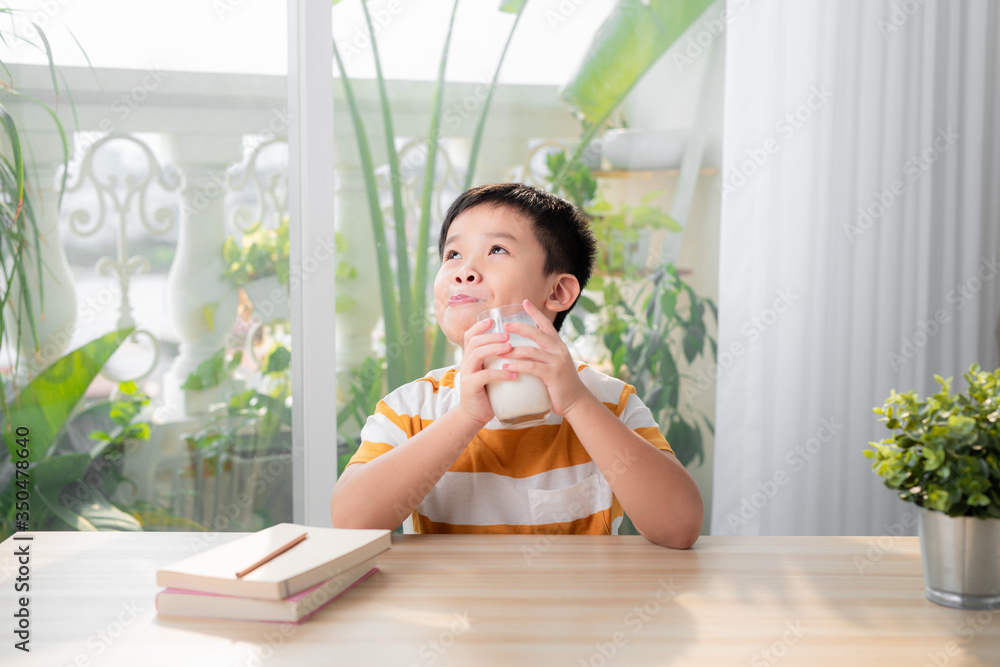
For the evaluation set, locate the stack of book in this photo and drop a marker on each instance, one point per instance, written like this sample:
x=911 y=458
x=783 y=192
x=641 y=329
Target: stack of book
x=275 y=574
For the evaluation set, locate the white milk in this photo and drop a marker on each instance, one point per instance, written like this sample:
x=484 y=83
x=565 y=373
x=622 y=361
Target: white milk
x=520 y=402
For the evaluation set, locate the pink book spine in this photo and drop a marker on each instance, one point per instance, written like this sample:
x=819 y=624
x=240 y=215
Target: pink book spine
x=293 y=598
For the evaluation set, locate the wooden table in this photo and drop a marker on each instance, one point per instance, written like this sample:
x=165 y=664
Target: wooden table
x=514 y=600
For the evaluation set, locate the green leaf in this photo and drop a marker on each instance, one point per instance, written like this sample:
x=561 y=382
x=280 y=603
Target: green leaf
x=279 y=360
x=686 y=441
x=55 y=472
x=209 y=373
x=668 y=304
x=140 y=431
x=670 y=377
x=47 y=402
x=97 y=511
x=512 y=6
x=588 y=304
x=618 y=357
x=343 y=303
x=73 y=520
x=235 y=361
x=626 y=45
x=694 y=341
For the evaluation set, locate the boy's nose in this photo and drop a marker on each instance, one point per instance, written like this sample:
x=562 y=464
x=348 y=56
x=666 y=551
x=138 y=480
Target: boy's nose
x=466 y=276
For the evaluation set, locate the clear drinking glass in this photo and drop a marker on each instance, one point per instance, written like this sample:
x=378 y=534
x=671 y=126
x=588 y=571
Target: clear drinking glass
x=524 y=401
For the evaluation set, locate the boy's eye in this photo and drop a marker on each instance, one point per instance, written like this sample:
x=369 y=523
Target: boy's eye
x=451 y=254
x=496 y=249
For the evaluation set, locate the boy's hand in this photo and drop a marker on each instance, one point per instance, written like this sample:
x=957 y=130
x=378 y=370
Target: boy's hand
x=550 y=361
x=479 y=346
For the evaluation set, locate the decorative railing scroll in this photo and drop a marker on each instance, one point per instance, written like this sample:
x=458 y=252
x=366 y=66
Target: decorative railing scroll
x=124 y=199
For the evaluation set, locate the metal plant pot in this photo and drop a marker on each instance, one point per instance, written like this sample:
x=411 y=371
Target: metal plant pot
x=961 y=559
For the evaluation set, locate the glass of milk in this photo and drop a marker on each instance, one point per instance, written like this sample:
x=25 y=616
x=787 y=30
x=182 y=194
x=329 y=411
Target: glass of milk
x=524 y=401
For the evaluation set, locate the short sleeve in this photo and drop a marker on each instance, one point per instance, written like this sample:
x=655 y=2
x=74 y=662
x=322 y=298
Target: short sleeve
x=382 y=431
x=621 y=399
x=402 y=414
x=634 y=413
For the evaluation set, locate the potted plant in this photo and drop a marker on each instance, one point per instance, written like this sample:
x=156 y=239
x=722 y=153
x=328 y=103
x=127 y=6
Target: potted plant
x=241 y=457
x=944 y=456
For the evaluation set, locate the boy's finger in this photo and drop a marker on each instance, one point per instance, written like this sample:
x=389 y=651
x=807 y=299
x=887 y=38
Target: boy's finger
x=488 y=375
x=486 y=339
x=528 y=352
x=482 y=352
x=537 y=317
x=478 y=327
x=530 y=332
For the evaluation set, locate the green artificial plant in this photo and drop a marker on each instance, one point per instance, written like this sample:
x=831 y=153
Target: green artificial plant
x=944 y=454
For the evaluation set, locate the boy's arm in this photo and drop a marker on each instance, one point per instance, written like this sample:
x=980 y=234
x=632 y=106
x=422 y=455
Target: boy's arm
x=384 y=491
x=654 y=489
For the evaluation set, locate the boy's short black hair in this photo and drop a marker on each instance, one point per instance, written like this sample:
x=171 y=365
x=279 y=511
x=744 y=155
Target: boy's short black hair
x=561 y=228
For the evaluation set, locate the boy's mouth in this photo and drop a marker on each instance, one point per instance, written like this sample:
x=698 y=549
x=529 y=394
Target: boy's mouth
x=459 y=299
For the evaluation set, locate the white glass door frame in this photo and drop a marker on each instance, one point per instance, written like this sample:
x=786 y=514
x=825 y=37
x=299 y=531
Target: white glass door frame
x=310 y=203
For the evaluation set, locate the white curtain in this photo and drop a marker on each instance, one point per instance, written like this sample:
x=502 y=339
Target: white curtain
x=859 y=238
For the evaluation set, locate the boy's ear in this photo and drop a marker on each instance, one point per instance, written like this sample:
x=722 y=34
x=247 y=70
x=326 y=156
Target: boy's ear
x=564 y=292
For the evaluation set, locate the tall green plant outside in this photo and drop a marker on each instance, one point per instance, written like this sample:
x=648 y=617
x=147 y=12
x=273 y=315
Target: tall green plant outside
x=404 y=301
x=18 y=218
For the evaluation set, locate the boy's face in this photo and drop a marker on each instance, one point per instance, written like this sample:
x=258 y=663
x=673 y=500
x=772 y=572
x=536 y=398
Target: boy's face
x=491 y=258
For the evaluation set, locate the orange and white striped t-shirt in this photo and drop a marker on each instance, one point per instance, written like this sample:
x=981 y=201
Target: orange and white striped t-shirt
x=533 y=480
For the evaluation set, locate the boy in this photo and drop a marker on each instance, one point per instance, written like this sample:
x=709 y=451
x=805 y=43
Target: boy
x=433 y=449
